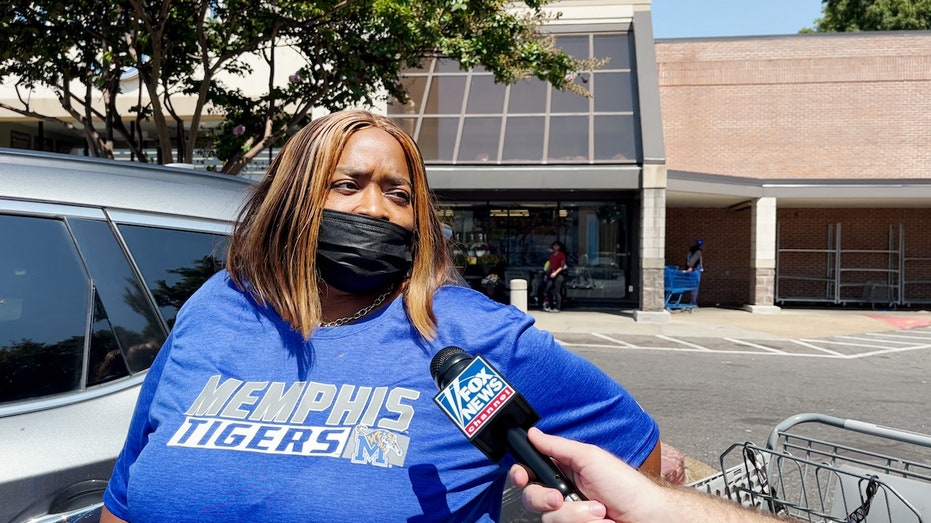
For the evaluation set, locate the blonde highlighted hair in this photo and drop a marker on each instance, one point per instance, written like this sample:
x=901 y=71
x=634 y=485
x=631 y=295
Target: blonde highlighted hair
x=273 y=248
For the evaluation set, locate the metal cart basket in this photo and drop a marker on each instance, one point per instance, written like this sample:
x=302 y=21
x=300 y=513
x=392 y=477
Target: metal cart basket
x=677 y=285
x=837 y=470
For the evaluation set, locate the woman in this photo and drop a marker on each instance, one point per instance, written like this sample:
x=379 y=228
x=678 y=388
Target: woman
x=295 y=385
x=695 y=264
x=556 y=276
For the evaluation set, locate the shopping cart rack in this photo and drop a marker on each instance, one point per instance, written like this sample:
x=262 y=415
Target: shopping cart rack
x=678 y=284
x=835 y=471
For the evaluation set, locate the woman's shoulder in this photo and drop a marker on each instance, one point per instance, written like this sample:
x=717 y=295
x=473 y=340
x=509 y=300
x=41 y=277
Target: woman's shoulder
x=453 y=294
x=221 y=309
x=455 y=298
x=462 y=307
x=218 y=293
x=219 y=284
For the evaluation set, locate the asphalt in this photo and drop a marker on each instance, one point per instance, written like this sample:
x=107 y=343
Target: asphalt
x=718 y=322
x=731 y=324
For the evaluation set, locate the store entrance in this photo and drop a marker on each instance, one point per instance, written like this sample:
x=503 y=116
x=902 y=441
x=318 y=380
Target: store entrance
x=495 y=242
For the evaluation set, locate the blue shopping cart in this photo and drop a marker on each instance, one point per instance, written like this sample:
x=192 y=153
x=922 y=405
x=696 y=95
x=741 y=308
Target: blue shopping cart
x=679 y=284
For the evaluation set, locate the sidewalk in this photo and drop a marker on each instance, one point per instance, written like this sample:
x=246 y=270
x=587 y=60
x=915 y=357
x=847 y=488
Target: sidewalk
x=716 y=322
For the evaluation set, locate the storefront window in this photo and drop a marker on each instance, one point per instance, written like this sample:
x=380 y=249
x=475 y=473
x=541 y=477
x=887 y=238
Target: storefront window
x=523 y=140
x=528 y=97
x=568 y=139
x=437 y=138
x=445 y=96
x=569 y=102
x=613 y=92
x=615 y=48
x=473 y=108
x=611 y=141
x=485 y=96
x=509 y=241
x=480 y=137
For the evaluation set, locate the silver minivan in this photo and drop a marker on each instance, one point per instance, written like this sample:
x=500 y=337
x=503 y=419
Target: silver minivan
x=97 y=257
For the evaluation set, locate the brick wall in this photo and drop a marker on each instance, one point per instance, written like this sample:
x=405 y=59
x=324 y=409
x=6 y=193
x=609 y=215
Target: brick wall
x=726 y=254
x=801 y=106
x=872 y=232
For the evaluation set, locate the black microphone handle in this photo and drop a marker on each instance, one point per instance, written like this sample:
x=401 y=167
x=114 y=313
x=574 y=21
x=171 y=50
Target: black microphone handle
x=541 y=465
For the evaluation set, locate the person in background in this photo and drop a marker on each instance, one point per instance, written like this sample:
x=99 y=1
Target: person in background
x=296 y=385
x=536 y=286
x=616 y=492
x=556 y=276
x=694 y=263
x=457 y=276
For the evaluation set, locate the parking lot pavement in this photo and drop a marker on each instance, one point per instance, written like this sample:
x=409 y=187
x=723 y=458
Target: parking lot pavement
x=790 y=332
x=841 y=347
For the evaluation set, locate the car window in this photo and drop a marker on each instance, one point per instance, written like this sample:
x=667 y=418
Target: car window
x=174 y=263
x=122 y=305
x=105 y=359
x=44 y=299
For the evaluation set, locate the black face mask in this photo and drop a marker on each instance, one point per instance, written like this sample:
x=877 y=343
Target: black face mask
x=362 y=255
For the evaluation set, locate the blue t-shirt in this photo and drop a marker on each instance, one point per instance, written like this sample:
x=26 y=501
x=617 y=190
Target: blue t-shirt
x=240 y=419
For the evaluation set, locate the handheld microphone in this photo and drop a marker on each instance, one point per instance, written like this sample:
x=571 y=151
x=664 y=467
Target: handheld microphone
x=492 y=414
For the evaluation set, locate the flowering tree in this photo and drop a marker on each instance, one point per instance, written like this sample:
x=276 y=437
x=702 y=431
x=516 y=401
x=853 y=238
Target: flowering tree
x=351 y=50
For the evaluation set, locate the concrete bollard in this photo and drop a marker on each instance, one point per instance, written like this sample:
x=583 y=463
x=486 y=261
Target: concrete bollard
x=519 y=293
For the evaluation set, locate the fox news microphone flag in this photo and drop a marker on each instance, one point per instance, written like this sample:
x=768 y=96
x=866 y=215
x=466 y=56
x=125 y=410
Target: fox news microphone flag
x=492 y=414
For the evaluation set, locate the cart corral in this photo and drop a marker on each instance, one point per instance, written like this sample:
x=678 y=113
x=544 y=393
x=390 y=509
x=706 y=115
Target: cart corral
x=820 y=468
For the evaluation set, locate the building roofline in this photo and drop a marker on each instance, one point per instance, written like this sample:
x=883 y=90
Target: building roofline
x=691 y=189
x=855 y=34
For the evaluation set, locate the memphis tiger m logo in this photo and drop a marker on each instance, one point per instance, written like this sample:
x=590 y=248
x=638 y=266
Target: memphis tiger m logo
x=378 y=447
x=474 y=396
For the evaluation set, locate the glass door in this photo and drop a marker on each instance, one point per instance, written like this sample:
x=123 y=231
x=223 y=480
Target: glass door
x=495 y=242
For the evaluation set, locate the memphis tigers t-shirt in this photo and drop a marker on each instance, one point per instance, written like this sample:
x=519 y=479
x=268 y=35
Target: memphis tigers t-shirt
x=240 y=418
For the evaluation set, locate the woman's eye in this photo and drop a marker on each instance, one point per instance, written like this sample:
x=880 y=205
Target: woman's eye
x=344 y=184
x=400 y=196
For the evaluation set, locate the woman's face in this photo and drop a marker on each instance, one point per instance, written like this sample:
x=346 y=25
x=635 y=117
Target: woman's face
x=371 y=178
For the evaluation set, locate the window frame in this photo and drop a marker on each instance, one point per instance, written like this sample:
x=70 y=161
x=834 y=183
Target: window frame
x=113 y=218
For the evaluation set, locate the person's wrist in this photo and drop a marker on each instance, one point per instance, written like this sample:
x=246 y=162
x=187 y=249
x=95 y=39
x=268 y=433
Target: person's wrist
x=661 y=503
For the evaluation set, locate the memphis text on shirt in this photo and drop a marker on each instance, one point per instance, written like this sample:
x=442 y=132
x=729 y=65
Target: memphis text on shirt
x=473 y=397
x=362 y=424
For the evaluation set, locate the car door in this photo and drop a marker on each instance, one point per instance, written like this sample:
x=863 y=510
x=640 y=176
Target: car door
x=87 y=296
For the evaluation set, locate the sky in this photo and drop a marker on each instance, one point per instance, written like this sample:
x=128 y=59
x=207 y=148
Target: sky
x=695 y=18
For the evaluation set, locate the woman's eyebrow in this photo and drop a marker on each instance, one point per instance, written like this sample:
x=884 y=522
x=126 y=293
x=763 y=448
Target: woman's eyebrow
x=399 y=180
x=396 y=180
x=352 y=172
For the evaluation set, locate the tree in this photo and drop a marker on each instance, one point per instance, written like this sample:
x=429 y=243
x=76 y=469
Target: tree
x=352 y=51
x=873 y=15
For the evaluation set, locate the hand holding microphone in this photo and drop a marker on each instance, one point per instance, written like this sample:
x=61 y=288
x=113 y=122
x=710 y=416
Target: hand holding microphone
x=492 y=414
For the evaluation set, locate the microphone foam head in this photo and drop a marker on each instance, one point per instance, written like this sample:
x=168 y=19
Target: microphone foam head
x=444 y=361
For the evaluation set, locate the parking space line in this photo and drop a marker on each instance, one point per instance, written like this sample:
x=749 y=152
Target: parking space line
x=844 y=343
x=815 y=347
x=889 y=351
x=908 y=336
x=761 y=347
x=857 y=338
x=627 y=346
x=860 y=346
x=702 y=350
x=613 y=340
x=674 y=340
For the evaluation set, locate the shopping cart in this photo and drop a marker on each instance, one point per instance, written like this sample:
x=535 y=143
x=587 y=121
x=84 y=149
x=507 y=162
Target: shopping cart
x=678 y=284
x=814 y=477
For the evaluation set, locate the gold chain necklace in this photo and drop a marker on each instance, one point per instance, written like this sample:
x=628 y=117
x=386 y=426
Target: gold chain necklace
x=361 y=312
